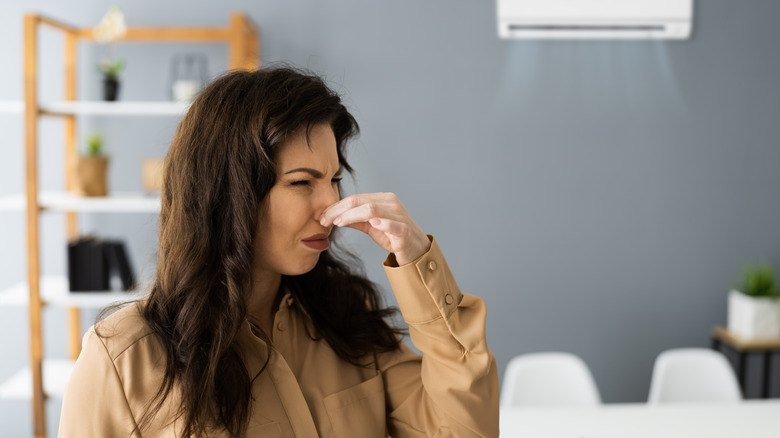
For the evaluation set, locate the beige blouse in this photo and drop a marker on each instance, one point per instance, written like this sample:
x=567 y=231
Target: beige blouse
x=306 y=390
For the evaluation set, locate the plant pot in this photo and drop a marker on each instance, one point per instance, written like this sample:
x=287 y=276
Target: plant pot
x=752 y=318
x=110 y=89
x=91 y=175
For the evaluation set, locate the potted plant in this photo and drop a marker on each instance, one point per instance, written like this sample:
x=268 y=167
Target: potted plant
x=111 y=28
x=110 y=70
x=92 y=169
x=754 y=308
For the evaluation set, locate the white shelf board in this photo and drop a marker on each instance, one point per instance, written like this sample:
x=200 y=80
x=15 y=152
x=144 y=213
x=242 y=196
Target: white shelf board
x=116 y=202
x=54 y=291
x=12 y=107
x=138 y=108
x=100 y=108
x=56 y=373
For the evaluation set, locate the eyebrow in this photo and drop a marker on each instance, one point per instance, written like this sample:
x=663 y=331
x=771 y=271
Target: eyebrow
x=313 y=172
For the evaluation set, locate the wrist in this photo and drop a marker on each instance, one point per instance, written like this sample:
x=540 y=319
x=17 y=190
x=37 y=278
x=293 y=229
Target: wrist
x=421 y=248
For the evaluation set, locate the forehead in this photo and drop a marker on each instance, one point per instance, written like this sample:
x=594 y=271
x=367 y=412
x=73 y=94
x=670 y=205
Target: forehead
x=319 y=151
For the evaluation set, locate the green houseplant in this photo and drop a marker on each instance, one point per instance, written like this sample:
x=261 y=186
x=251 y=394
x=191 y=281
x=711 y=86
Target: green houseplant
x=754 y=308
x=92 y=168
x=111 y=28
x=759 y=281
x=110 y=70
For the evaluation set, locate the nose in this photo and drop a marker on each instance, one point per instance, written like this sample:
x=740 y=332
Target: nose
x=326 y=197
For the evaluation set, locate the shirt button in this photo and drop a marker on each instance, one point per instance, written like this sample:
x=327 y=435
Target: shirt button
x=448 y=299
x=432 y=265
x=281 y=326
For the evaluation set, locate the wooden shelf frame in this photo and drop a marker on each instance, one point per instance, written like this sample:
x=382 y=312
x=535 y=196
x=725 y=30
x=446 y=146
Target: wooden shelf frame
x=243 y=42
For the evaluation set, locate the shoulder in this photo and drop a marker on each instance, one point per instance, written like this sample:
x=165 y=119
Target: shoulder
x=125 y=349
x=123 y=331
x=114 y=377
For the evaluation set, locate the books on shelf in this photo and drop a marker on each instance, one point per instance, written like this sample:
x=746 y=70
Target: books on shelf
x=92 y=261
x=119 y=263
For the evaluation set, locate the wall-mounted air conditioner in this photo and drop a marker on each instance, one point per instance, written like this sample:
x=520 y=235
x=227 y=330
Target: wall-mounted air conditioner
x=595 y=19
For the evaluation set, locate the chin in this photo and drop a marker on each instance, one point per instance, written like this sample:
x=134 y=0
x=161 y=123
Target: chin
x=303 y=268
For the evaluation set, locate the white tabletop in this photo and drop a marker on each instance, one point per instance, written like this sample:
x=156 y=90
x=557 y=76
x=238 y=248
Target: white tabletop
x=752 y=418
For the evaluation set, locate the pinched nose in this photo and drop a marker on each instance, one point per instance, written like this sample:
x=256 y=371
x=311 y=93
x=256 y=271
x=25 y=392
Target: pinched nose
x=325 y=199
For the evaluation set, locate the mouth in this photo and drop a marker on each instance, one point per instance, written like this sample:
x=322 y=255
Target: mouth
x=321 y=236
x=318 y=242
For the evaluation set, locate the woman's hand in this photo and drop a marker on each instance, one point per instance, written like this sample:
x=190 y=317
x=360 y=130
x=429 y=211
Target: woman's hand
x=381 y=216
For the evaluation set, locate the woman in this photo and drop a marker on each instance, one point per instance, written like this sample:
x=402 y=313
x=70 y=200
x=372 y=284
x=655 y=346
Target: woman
x=254 y=326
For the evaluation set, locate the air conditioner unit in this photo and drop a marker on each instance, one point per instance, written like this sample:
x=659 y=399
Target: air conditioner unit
x=595 y=19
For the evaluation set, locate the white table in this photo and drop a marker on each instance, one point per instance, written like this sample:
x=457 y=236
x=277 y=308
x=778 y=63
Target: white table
x=749 y=419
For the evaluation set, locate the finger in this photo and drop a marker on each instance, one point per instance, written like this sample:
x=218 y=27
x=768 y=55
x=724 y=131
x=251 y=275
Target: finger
x=364 y=227
x=389 y=226
x=339 y=208
x=358 y=214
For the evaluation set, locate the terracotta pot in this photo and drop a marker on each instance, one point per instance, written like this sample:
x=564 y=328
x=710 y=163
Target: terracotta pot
x=91 y=175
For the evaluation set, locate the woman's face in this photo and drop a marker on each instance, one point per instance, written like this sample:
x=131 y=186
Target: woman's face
x=289 y=235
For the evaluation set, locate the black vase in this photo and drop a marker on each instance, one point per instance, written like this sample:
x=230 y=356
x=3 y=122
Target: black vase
x=110 y=89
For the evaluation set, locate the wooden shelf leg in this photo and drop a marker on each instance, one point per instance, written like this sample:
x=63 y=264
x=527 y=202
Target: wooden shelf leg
x=31 y=185
x=243 y=45
x=74 y=329
x=71 y=155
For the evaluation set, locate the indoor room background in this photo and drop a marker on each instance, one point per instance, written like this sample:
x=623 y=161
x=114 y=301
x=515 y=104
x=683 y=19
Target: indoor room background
x=601 y=196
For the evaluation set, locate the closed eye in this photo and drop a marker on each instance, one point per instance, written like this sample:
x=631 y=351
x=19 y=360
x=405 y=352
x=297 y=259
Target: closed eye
x=336 y=180
x=303 y=182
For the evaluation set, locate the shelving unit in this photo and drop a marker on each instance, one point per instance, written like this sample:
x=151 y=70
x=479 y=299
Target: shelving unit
x=47 y=378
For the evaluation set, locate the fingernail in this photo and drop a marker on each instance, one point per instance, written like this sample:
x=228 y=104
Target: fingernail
x=375 y=221
x=322 y=221
x=337 y=221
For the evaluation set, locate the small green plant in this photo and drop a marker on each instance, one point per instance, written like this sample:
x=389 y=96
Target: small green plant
x=95 y=145
x=111 y=69
x=759 y=281
x=112 y=27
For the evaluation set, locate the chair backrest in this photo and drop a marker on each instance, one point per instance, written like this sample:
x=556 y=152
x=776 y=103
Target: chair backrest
x=548 y=379
x=693 y=375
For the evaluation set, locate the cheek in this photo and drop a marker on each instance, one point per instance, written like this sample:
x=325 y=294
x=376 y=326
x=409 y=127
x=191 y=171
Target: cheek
x=287 y=218
x=288 y=215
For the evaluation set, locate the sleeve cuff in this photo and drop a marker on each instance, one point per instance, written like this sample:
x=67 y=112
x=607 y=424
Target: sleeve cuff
x=425 y=288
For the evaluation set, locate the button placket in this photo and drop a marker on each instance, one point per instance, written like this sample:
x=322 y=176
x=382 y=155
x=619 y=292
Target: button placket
x=282 y=315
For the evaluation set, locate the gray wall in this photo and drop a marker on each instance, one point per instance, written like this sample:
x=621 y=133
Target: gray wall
x=601 y=197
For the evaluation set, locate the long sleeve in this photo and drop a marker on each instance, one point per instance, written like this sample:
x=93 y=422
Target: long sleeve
x=94 y=404
x=452 y=390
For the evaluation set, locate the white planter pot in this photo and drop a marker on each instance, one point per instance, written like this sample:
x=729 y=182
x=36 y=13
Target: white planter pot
x=753 y=318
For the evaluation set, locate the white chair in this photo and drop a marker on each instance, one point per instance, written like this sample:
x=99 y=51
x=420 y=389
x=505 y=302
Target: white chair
x=693 y=375
x=548 y=379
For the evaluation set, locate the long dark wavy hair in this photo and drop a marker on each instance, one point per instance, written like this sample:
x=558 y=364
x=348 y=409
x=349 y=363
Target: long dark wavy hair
x=218 y=170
